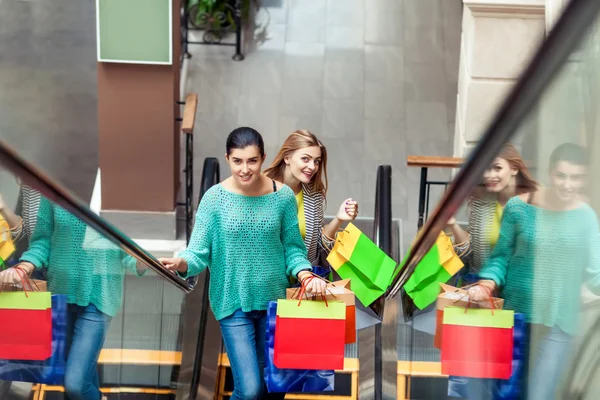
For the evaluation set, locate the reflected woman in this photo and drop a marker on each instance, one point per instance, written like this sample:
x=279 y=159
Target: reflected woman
x=548 y=246
x=506 y=177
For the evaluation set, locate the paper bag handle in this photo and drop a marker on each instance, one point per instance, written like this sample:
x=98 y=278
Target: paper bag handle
x=303 y=284
x=25 y=281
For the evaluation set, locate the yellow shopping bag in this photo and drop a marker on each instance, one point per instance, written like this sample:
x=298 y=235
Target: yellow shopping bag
x=7 y=246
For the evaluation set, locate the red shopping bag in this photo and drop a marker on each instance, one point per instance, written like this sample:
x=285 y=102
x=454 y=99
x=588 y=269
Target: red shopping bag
x=26 y=332
x=451 y=296
x=477 y=343
x=337 y=291
x=295 y=327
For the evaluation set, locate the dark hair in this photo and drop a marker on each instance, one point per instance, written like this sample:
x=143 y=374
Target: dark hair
x=571 y=153
x=242 y=137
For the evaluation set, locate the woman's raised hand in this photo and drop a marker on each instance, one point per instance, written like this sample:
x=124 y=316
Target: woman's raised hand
x=348 y=210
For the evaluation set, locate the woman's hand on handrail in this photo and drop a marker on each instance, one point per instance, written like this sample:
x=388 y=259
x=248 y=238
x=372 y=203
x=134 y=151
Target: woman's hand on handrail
x=175 y=264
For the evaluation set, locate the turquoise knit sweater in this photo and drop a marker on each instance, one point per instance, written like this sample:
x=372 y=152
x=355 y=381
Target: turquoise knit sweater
x=541 y=260
x=250 y=244
x=82 y=263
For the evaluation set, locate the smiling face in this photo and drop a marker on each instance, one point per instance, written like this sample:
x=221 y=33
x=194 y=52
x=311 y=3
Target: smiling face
x=499 y=176
x=567 y=180
x=245 y=165
x=303 y=164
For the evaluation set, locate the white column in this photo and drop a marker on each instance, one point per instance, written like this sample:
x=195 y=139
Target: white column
x=498 y=40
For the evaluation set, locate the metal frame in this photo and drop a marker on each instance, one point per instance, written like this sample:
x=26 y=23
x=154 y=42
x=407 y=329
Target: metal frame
x=210 y=176
x=424 y=194
x=35 y=178
x=568 y=32
x=211 y=37
x=377 y=376
x=189 y=183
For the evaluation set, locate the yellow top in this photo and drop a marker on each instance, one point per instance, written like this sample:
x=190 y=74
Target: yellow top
x=301 y=217
x=495 y=231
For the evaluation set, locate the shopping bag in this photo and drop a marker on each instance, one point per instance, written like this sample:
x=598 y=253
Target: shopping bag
x=451 y=296
x=437 y=266
x=291 y=380
x=7 y=246
x=340 y=291
x=354 y=256
x=297 y=323
x=50 y=371
x=514 y=387
x=26 y=332
x=477 y=343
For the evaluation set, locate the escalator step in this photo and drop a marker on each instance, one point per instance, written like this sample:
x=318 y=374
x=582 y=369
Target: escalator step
x=342 y=384
x=118 y=396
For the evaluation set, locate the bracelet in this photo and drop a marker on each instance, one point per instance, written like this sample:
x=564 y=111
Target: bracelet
x=299 y=272
x=325 y=236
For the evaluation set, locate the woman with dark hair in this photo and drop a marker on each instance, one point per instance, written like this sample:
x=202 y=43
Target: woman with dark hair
x=301 y=163
x=547 y=248
x=247 y=233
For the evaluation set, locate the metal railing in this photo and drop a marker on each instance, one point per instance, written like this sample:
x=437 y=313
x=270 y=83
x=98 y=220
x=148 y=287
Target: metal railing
x=210 y=176
x=426 y=162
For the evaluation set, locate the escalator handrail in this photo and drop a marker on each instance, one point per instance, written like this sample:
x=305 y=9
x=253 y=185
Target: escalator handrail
x=382 y=225
x=568 y=32
x=50 y=189
x=383 y=209
x=210 y=176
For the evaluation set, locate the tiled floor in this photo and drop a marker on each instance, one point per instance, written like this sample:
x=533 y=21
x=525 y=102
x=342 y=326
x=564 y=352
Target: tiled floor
x=374 y=79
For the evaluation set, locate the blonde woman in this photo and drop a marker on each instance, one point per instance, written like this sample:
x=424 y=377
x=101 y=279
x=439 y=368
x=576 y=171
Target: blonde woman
x=301 y=164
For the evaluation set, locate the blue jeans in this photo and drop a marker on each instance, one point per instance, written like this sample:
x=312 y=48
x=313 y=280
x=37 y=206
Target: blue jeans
x=86 y=331
x=548 y=362
x=244 y=337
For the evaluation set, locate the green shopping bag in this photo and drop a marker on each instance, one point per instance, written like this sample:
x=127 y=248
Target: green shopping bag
x=438 y=265
x=354 y=256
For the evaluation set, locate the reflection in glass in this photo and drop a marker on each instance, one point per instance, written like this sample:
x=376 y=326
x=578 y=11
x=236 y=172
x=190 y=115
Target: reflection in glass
x=44 y=247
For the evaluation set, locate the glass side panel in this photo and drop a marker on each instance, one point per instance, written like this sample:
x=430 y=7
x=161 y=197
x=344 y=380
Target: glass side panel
x=103 y=303
x=535 y=243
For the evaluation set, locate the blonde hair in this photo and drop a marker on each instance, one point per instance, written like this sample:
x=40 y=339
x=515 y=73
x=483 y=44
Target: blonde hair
x=525 y=181
x=300 y=139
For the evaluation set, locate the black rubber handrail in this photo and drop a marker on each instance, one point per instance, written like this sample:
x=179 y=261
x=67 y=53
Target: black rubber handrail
x=578 y=17
x=35 y=178
x=383 y=238
x=210 y=176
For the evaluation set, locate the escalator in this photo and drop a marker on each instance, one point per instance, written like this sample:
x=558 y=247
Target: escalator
x=164 y=343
